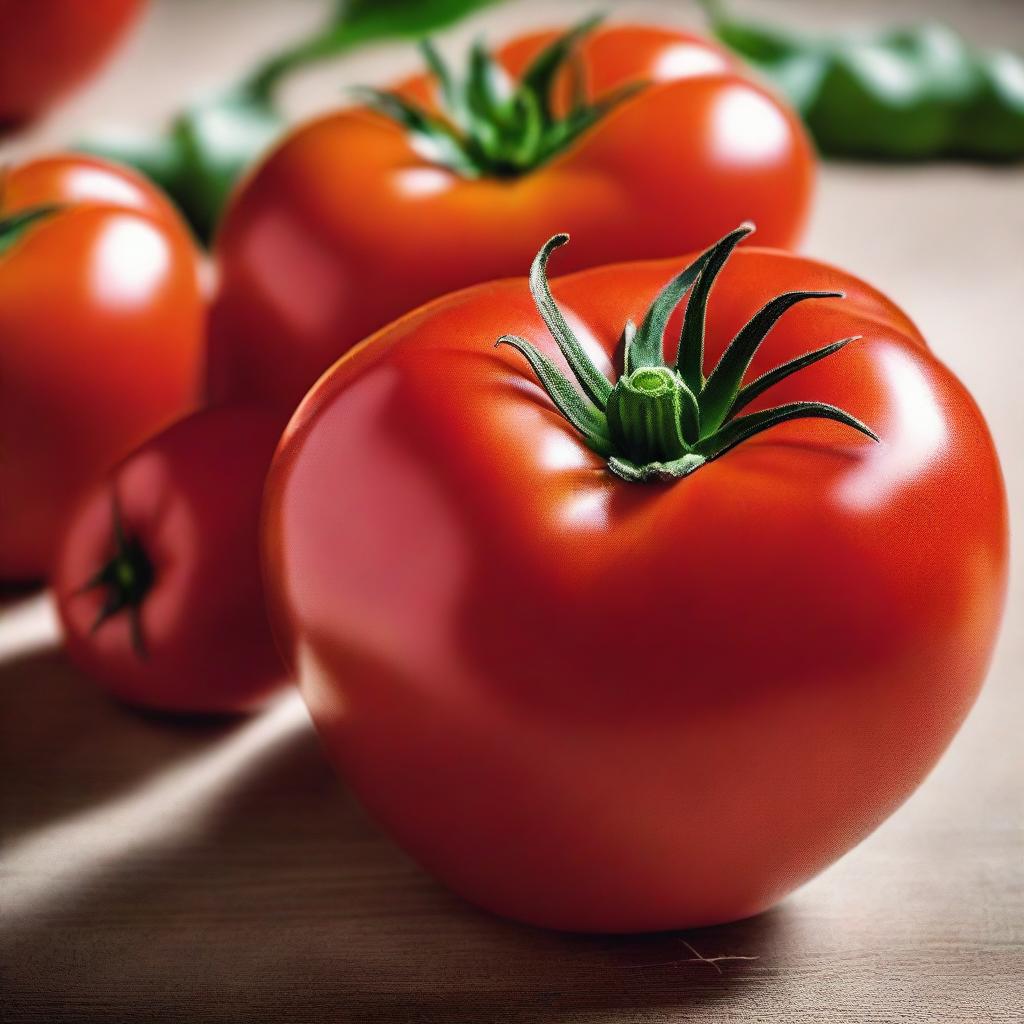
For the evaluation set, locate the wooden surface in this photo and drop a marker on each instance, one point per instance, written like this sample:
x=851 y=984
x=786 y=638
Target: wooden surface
x=157 y=871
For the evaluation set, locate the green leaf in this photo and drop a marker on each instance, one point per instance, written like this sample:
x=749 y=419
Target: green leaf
x=909 y=93
x=208 y=146
x=217 y=141
x=761 y=44
x=358 y=22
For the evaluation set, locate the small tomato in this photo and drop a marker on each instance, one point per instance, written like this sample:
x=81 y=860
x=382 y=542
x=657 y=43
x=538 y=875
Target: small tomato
x=158 y=580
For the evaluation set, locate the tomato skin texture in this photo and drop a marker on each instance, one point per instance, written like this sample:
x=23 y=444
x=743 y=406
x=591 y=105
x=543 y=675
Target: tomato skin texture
x=606 y=706
x=345 y=226
x=191 y=496
x=101 y=316
x=53 y=47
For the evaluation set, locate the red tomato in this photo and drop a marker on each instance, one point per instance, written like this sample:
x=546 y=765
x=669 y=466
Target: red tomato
x=347 y=225
x=101 y=317
x=51 y=45
x=158 y=581
x=605 y=705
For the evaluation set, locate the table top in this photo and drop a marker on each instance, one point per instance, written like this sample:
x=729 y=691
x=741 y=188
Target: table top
x=204 y=871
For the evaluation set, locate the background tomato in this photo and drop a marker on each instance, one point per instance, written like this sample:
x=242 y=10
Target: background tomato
x=347 y=225
x=170 y=541
x=51 y=45
x=101 y=321
x=613 y=706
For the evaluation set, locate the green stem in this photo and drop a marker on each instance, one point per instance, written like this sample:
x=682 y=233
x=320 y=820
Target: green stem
x=651 y=425
x=126 y=579
x=645 y=415
x=495 y=127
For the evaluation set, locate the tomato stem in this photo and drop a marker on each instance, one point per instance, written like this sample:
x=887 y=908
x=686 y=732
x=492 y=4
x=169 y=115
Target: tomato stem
x=662 y=421
x=490 y=126
x=127 y=577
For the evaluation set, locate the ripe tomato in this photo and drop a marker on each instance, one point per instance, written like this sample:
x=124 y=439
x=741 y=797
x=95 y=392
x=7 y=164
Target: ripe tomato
x=51 y=45
x=158 y=580
x=349 y=223
x=613 y=704
x=101 y=317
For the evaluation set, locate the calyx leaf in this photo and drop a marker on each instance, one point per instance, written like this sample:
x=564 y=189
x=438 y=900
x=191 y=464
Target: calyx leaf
x=492 y=125
x=661 y=421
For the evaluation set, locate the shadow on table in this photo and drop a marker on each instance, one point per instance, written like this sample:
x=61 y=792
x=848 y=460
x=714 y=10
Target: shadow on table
x=66 y=746
x=235 y=873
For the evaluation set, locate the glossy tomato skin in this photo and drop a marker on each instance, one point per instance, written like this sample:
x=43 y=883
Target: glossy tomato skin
x=607 y=706
x=51 y=46
x=345 y=226
x=101 y=316
x=191 y=498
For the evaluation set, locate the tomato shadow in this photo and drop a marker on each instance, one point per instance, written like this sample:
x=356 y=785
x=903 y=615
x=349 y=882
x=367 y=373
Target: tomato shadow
x=264 y=886
x=66 y=746
x=14 y=592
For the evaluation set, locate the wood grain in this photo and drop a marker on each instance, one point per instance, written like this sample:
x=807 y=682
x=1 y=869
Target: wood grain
x=209 y=871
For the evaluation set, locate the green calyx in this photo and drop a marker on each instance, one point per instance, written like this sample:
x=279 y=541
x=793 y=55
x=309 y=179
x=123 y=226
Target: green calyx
x=126 y=578
x=492 y=126
x=662 y=421
x=15 y=225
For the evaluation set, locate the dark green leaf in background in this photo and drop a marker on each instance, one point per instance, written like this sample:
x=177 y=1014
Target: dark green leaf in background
x=917 y=92
x=211 y=143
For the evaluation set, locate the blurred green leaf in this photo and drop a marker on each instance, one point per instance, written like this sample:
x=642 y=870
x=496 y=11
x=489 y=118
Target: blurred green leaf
x=206 y=148
x=913 y=92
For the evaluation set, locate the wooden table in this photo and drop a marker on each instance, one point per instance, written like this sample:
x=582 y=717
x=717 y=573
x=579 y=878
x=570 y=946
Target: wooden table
x=199 y=871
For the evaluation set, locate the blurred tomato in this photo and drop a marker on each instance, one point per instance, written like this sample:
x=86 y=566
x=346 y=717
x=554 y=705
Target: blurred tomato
x=350 y=222
x=158 y=580
x=49 y=46
x=101 y=321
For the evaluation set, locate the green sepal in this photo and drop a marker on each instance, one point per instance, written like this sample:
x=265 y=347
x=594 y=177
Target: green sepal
x=690 y=353
x=434 y=137
x=126 y=578
x=745 y=427
x=438 y=67
x=505 y=128
x=647 y=348
x=594 y=383
x=723 y=383
x=656 y=472
x=769 y=379
x=15 y=226
x=590 y=422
